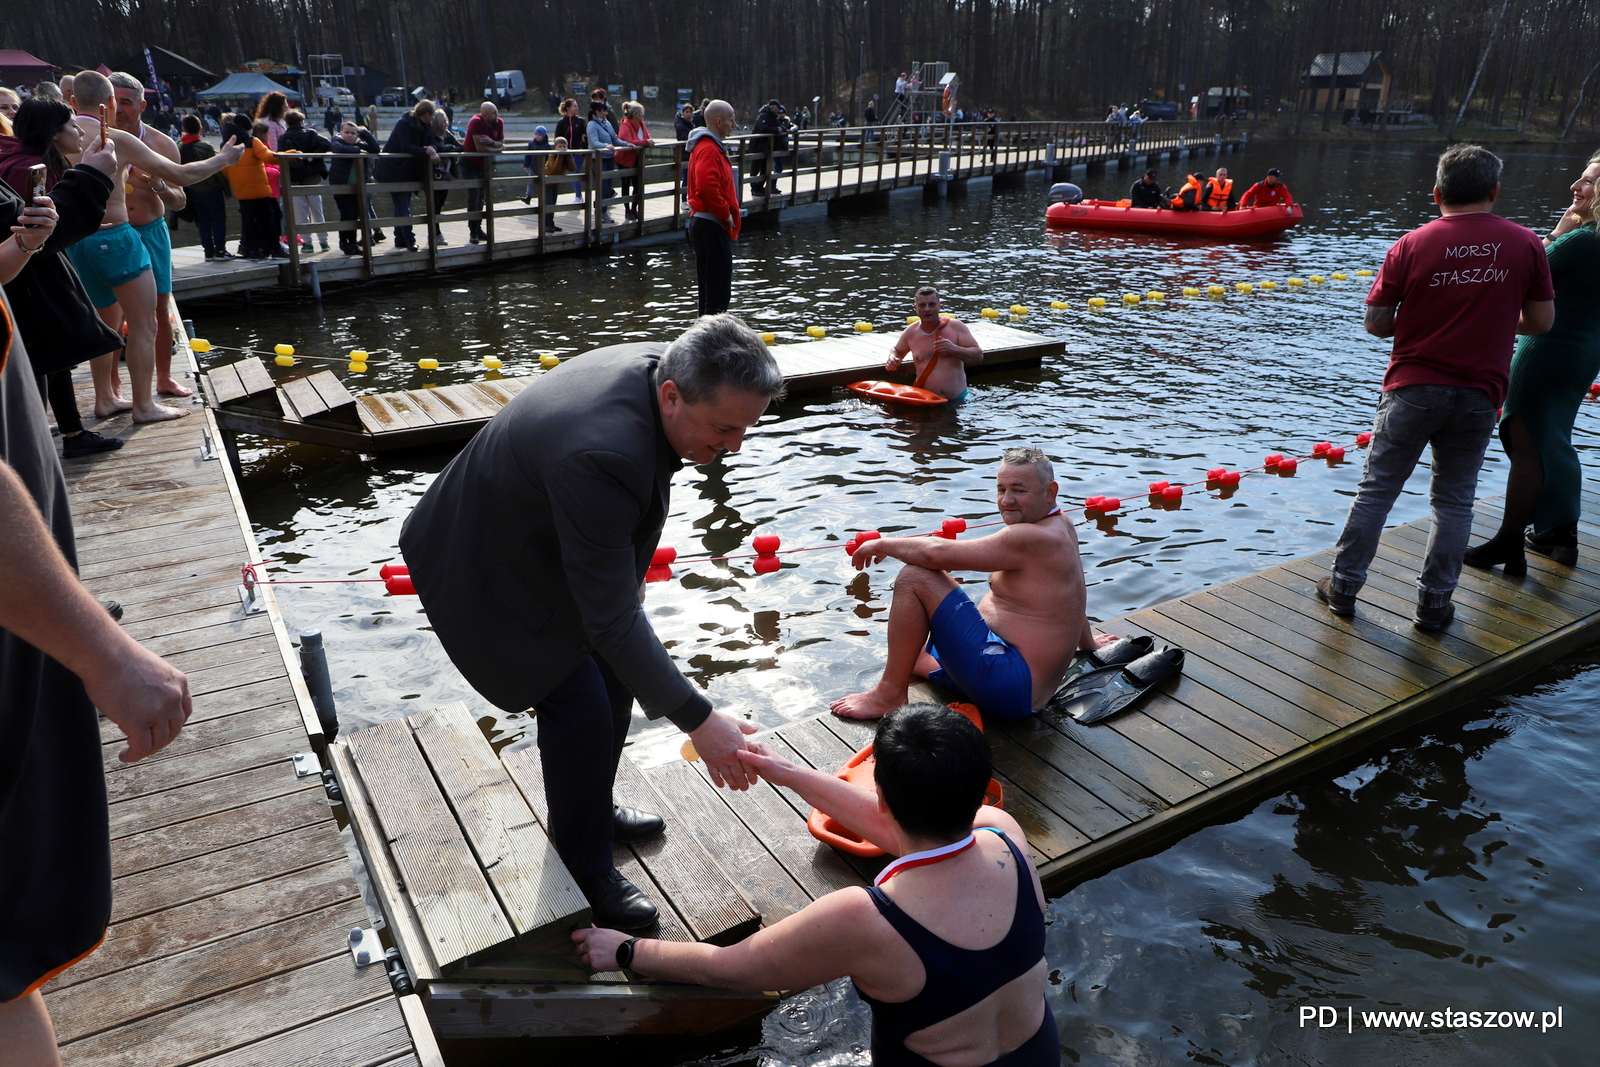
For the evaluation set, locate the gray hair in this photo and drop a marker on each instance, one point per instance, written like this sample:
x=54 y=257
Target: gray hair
x=1467 y=174
x=927 y=290
x=124 y=80
x=1030 y=457
x=717 y=351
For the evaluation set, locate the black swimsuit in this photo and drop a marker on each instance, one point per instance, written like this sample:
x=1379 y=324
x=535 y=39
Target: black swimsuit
x=958 y=978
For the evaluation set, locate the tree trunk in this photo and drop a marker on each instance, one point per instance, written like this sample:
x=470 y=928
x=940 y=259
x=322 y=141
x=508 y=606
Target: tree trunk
x=1566 y=130
x=1466 y=100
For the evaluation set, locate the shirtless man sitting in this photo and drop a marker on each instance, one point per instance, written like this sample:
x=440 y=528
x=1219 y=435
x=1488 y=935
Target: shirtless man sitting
x=935 y=337
x=115 y=265
x=1008 y=653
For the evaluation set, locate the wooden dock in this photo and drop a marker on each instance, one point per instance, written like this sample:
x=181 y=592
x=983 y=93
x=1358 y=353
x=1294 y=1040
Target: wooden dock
x=824 y=166
x=1274 y=687
x=317 y=409
x=233 y=892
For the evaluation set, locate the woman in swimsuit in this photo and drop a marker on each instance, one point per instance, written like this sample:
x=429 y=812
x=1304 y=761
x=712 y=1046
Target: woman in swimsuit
x=947 y=947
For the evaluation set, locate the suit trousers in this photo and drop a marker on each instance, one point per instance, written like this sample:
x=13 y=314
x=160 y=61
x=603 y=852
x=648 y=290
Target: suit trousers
x=713 y=264
x=583 y=725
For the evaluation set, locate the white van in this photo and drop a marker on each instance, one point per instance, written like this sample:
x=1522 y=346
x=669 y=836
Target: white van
x=506 y=87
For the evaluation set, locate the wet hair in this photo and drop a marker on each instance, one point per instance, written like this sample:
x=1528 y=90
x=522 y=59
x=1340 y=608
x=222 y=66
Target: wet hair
x=294 y=117
x=1467 y=174
x=191 y=124
x=719 y=350
x=39 y=119
x=933 y=766
x=272 y=106
x=1030 y=457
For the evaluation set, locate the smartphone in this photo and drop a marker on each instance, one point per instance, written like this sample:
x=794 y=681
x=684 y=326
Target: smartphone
x=35 y=182
x=102 y=126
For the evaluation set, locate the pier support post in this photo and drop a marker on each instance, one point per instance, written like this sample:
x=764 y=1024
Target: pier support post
x=314 y=666
x=315 y=281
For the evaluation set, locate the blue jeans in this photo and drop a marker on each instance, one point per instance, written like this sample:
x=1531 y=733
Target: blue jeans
x=1456 y=422
x=402 y=210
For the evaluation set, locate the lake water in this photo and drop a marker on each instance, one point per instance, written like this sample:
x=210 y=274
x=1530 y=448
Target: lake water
x=1448 y=869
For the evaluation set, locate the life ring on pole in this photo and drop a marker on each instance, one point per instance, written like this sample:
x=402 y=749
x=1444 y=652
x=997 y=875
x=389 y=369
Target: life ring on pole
x=948 y=104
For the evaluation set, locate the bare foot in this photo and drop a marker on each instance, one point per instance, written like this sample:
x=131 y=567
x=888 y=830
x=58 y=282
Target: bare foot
x=873 y=704
x=157 y=413
x=172 y=388
x=104 y=409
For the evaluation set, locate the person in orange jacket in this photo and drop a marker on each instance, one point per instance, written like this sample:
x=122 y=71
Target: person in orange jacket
x=260 y=216
x=1268 y=191
x=1219 y=195
x=1190 y=196
x=714 y=201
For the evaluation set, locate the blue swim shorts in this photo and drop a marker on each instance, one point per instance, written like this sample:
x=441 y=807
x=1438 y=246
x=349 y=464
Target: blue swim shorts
x=976 y=663
x=107 y=259
x=158 y=242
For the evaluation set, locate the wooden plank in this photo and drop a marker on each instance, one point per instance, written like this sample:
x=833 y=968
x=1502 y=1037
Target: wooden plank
x=339 y=406
x=127 y=780
x=453 y=901
x=530 y=882
x=152 y=811
x=467 y=403
x=711 y=906
x=260 y=394
x=423 y=400
x=376 y=415
x=223 y=385
x=367 y=1035
x=304 y=400
x=407 y=410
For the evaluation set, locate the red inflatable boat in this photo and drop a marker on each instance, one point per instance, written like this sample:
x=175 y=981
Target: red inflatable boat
x=1227 y=225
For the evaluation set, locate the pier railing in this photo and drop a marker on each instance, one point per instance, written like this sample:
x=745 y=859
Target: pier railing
x=585 y=204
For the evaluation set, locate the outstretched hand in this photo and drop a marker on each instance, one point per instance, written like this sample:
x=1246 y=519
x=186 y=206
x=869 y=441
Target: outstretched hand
x=868 y=554
x=231 y=150
x=761 y=760
x=718 y=741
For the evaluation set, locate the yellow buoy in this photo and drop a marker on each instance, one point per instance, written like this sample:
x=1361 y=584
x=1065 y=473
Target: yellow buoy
x=428 y=364
x=492 y=363
x=1363 y=274
x=1339 y=276
x=989 y=313
x=1215 y=290
x=1059 y=305
x=1097 y=301
x=283 y=350
x=357 y=356
x=549 y=359
x=357 y=367
x=1018 y=309
x=1245 y=287
x=282 y=360
x=911 y=319
x=863 y=327
x=768 y=338
x=1269 y=285
x=1190 y=290
x=1295 y=283
x=1154 y=295
x=1317 y=279
x=816 y=331
x=1131 y=298
x=199 y=344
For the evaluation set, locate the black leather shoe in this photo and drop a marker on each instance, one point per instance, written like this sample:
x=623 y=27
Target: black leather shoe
x=629 y=825
x=617 y=902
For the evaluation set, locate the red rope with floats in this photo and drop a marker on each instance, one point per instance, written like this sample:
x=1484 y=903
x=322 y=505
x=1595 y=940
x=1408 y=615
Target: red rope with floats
x=396 y=577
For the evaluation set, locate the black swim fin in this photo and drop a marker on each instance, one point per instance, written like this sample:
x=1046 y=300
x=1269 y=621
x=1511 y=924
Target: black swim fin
x=1126 y=650
x=1098 y=694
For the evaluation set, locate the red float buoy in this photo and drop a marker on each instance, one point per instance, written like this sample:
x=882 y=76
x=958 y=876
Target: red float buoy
x=766 y=564
x=1273 y=460
x=1094 y=502
x=951 y=527
x=1230 y=477
x=1335 y=452
x=766 y=544
x=1363 y=438
x=658 y=574
x=399 y=585
x=1158 y=487
x=1594 y=390
x=1215 y=474
x=1172 y=492
x=389 y=569
x=1109 y=504
x=1287 y=465
x=1320 y=447
x=663 y=556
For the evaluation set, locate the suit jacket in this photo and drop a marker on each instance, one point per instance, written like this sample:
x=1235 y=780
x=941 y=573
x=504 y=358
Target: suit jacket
x=529 y=548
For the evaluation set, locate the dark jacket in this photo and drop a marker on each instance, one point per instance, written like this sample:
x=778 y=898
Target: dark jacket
x=304 y=139
x=681 y=126
x=575 y=130
x=53 y=313
x=410 y=138
x=529 y=548
x=1150 y=195
x=339 y=170
x=771 y=124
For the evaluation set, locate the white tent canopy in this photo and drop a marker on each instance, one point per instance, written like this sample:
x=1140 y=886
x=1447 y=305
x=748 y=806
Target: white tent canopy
x=245 y=86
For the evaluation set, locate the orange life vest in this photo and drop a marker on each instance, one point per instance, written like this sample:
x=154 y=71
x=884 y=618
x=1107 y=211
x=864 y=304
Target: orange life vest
x=1190 y=186
x=1218 y=191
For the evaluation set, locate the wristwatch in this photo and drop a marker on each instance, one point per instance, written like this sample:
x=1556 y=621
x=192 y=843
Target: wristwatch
x=625 y=952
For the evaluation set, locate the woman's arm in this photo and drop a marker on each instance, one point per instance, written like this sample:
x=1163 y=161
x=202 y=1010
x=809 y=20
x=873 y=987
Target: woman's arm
x=830 y=794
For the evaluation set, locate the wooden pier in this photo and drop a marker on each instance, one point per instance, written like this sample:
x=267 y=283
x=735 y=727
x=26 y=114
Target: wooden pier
x=233 y=893
x=1274 y=687
x=821 y=166
x=317 y=409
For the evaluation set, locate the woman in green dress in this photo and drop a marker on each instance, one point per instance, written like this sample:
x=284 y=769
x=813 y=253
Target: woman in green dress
x=1550 y=376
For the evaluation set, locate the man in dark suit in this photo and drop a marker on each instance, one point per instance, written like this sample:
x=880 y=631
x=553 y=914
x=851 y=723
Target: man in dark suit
x=530 y=550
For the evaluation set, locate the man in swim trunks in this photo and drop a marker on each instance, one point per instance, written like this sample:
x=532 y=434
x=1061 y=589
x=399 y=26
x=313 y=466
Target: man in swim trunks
x=115 y=265
x=149 y=199
x=934 y=336
x=1007 y=653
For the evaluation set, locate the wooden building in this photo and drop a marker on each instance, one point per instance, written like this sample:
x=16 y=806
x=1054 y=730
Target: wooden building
x=1360 y=86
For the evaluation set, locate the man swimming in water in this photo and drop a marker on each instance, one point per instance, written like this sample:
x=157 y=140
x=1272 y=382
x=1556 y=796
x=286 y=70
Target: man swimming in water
x=934 y=336
x=1007 y=653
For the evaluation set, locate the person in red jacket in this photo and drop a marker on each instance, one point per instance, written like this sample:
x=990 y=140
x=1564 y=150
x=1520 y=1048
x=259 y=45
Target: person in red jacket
x=1269 y=190
x=714 y=201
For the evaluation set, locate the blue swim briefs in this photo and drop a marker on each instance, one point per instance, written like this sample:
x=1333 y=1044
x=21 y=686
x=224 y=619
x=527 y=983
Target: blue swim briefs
x=975 y=662
x=107 y=259
x=158 y=242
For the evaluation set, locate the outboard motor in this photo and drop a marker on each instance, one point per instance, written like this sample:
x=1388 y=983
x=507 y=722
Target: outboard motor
x=1065 y=193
